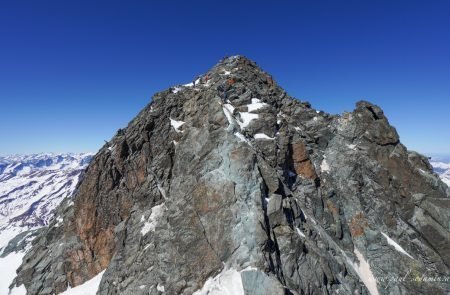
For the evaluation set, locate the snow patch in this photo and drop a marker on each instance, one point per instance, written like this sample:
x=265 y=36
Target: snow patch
x=396 y=246
x=160 y=288
x=176 y=89
x=87 y=288
x=242 y=137
x=300 y=233
x=192 y=83
x=246 y=118
x=8 y=266
x=228 y=111
x=18 y=291
x=262 y=136
x=207 y=84
x=150 y=224
x=176 y=124
x=228 y=282
x=229 y=107
x=324 y=167
x=351 y=146
x=256 y=105
x=161 y=190
x=59 y=221
x=365 y=273
x=422 y=171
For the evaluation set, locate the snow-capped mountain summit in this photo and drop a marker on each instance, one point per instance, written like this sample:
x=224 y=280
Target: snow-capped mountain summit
x=31 y=186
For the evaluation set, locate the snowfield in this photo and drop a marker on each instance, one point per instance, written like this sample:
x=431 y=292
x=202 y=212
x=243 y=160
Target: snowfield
x=31 y=187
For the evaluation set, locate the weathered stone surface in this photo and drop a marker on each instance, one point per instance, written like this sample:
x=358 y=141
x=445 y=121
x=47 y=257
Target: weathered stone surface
x=256 y=282
x=302 y=197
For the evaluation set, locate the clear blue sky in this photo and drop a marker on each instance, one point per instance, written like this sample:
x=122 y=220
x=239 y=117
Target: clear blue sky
x=73 y=72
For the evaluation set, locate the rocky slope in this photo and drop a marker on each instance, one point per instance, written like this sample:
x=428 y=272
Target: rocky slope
x=31 y=187
x=228 y=184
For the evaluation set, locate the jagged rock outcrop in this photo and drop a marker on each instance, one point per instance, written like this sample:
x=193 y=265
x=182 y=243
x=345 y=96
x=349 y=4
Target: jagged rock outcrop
x=230 y=177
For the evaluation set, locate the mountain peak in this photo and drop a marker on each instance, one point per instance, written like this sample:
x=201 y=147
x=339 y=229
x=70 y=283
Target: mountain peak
x=235 y=60
x=227 y=181
x=228 y=71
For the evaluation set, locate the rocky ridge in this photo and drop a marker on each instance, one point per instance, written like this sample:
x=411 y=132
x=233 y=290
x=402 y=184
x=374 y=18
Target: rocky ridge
x=228 y=181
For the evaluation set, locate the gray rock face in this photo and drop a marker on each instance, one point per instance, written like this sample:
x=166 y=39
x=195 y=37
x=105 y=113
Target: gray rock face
x=232 y=173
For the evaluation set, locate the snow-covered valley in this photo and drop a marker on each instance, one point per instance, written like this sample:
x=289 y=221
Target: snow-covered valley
x=31 y=186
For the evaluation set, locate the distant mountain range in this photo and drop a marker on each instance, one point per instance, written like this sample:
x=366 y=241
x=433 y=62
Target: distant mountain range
x=442 y=167
x=31 y=187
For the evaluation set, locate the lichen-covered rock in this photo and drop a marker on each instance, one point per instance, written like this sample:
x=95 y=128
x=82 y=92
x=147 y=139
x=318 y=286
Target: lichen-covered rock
x=230 y=172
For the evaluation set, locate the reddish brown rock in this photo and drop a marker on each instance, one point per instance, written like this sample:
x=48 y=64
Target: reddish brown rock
x=357 y=225
x=302 y=163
